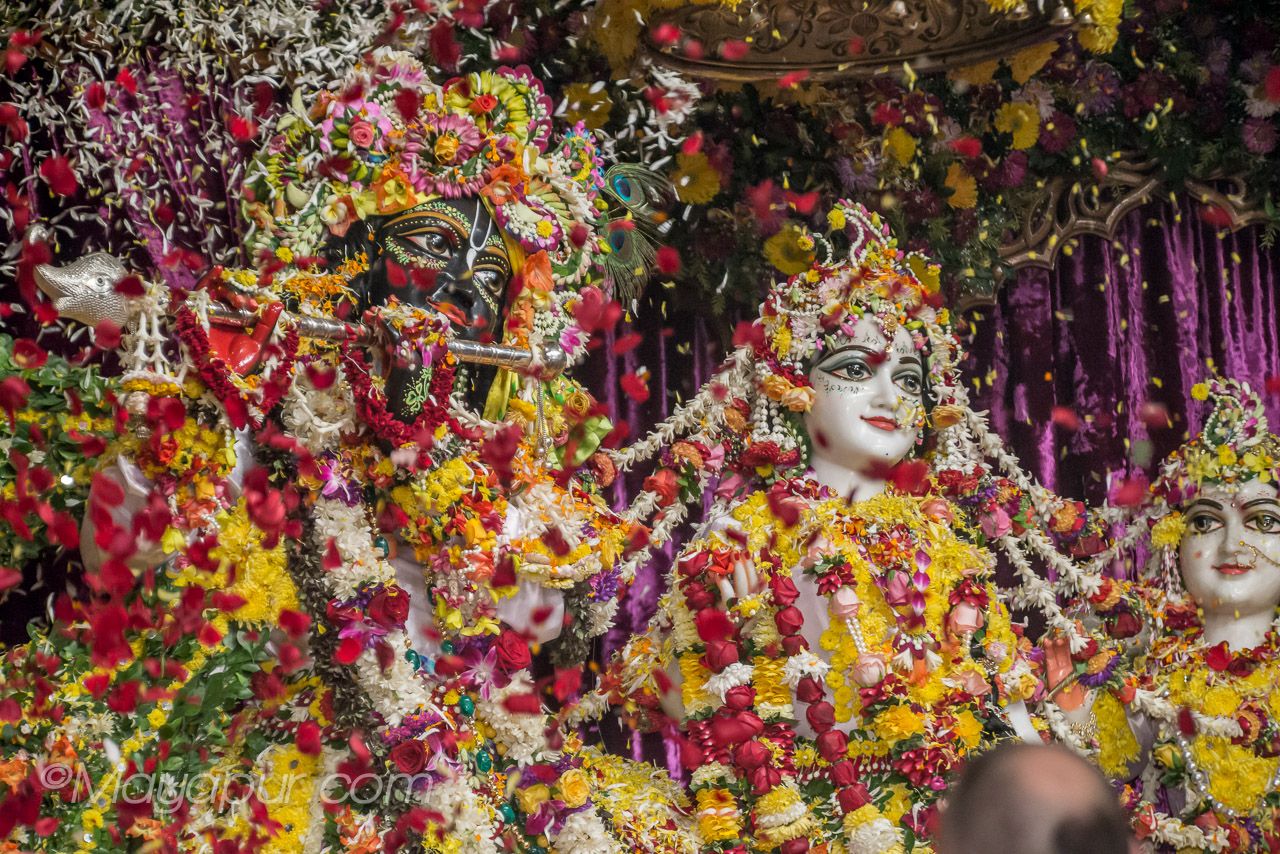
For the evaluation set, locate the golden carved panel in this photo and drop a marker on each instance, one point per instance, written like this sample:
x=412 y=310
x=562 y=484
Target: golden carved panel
x=833 y=39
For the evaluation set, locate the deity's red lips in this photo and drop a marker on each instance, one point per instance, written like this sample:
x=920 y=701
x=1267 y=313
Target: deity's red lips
x=881 y=423
x=1232 y=568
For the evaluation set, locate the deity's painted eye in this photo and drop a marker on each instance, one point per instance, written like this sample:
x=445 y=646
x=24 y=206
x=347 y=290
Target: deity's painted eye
x=1267 y=523
x=910 y=382
x=434 y=243
x=1203 y=523
x=491 y=279
x=853 y=369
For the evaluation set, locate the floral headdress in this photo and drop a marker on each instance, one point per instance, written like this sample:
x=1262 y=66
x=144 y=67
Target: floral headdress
x=802 y=316
x=1234 y=447
x=389 y=140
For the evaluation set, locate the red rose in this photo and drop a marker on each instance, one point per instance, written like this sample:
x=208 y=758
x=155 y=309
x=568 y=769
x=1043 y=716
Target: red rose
x=389 y=607
x=765 y=778
x=736 y=729
x=852 y=797
x=784 y=590
x=698 y=597
x=843 y=773
x=720 y=654
x=1126 y=625
x=809 y=690
x=409 y=756
x=483 y=104
x=713 y=625
x=789 y=620
x=794 y=644
x=694 y=564
x=1089 y=651
x=663 y=483
x=821 y=716
x=740 y=697
x=751 y=755
x=1218 y=657
x=690 y=754
x=513 y=651
x=799 y=845
x=832 y=745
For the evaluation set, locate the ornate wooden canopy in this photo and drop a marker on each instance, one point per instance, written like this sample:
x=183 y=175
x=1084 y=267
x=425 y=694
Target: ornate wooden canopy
x=835 y=39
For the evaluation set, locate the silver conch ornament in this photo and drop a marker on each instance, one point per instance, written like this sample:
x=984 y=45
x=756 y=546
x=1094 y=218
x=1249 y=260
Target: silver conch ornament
x=85 y=289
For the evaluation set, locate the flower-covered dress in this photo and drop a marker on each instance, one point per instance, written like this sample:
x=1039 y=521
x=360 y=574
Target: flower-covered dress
x=831 y=705
x=1192 y=732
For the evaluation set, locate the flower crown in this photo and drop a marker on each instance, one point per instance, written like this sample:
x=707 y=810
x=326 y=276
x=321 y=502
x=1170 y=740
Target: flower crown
x=1234 y=447
x=803 y=315
x=389 y=139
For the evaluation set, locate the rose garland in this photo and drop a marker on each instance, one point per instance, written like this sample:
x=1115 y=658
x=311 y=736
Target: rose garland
x=218 y=377
x=371 y=403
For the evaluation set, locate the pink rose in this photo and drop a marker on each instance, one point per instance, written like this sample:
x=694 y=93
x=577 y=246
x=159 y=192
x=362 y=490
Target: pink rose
x=844 y=603
x=361 y=134
x=973 y=684
x=965 y=619
x=996 y=524
x=870 y=670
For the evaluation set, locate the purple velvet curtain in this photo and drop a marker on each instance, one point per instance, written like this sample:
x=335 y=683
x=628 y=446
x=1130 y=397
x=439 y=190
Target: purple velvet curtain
x=1087 y=369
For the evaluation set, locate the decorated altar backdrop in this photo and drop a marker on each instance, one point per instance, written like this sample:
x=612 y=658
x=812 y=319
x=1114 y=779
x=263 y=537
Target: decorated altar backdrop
x=1088 y=368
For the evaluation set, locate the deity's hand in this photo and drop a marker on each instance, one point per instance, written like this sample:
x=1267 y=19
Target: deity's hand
x=746 y=582
x=384 y=335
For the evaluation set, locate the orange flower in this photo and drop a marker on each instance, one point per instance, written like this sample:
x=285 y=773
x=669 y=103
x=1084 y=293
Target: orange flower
x=12 y=773
x=503 y=183
x=393 y=189
x=537 y=273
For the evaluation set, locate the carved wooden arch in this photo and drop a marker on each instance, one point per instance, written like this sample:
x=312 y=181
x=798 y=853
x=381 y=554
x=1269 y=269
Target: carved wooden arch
x=1067 y=210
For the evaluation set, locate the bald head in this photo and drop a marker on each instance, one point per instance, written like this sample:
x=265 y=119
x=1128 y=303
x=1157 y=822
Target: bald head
x=1032 y=799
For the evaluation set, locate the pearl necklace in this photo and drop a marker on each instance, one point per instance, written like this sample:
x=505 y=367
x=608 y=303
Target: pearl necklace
x=1200 y=778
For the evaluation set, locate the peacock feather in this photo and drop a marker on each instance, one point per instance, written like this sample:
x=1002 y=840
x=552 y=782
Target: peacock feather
x=632 y=235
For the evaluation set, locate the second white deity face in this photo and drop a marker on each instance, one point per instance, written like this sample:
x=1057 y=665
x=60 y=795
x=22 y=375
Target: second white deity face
x=868 y=406
x=1230 y=552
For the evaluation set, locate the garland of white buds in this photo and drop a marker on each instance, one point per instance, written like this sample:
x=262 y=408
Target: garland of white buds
x=1037 y=592
x=1156 y=707
x=672 y=516
x=1063 y=732
x=699 y=411
x=1185 y=837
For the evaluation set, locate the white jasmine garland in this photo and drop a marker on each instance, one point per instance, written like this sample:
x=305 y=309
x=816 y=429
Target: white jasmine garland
x=711 y=774
x=874 y=837
x=521 y=735
x=469 y=825
x=719 y=684
x=362 y=563
x=600 y=617
x=802 y=664
x=584 y=833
